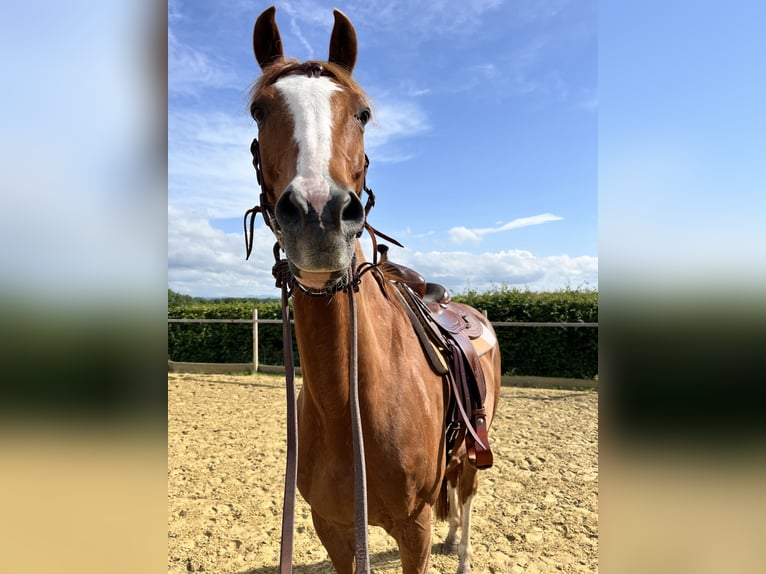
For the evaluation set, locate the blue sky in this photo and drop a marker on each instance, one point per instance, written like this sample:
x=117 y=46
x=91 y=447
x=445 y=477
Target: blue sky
x=497 y=105
x=483 y=149
x=682 y=147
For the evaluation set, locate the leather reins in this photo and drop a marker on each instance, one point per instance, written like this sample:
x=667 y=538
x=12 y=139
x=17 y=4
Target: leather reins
x=361 y=547
x=286 y=282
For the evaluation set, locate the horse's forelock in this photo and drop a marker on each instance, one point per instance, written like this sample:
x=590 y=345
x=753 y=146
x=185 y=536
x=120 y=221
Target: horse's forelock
x=272 y=73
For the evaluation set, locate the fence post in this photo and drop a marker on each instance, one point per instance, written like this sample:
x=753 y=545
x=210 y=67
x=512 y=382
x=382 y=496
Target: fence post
x=255 y=340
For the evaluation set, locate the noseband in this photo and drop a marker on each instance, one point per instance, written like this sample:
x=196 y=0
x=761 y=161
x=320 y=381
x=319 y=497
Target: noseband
x=281 y=270
x=266 y=209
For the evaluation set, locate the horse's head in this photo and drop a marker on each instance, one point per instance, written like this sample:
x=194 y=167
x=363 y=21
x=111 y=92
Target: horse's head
x=311 y=118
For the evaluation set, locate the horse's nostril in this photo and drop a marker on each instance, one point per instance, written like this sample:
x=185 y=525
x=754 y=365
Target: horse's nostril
x=288 y=209
x=353 y=211
x=342 y=212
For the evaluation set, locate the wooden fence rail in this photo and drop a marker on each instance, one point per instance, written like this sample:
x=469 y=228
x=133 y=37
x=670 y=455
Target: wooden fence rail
x=256 y=366
x=279 y=322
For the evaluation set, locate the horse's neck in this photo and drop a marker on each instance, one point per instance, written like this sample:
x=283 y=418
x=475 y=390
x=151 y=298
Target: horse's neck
x=323 y=330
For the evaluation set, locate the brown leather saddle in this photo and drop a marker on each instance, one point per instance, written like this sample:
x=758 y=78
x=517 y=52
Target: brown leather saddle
x=446 y=331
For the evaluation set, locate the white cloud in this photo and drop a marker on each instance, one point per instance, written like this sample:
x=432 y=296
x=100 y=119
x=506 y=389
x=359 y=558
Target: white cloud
x=588 y=100
x=175 y=10
x=420 y=19
x=460 y=270
x=209 y=163
x=210 y=166
x=418 y=92
x=462 y=234
x=313 y=16
x=394 y=119
x=205 y=261
x=190 y=70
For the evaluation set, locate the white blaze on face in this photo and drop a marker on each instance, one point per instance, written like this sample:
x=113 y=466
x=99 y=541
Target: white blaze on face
x=309 y=101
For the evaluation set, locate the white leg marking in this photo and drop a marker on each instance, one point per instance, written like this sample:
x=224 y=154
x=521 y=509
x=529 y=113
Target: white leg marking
x=310 y=103
x=450 y=543
x=465 y=551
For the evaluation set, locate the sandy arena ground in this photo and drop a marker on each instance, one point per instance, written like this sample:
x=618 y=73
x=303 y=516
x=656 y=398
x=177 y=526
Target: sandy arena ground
x=536 y=510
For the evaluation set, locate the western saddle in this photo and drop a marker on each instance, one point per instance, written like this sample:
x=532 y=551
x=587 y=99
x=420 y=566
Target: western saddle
x=452 y=340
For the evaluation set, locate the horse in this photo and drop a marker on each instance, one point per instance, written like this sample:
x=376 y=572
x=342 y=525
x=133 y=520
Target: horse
x=311 y=119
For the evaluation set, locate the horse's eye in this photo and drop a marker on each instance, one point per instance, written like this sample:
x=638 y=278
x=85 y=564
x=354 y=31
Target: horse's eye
x=257 y=113
x=364 y=116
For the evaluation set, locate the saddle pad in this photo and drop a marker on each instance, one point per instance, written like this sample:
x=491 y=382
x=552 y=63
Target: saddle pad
x=456 y=321
x=484 y=342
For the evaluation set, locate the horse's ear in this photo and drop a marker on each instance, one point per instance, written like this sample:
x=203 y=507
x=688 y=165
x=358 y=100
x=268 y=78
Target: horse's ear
x=267 y=44
x=343 y=42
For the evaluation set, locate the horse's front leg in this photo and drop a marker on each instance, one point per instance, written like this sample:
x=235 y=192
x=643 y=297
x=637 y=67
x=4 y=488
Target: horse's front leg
x=338 y=541
x=467 y=487
x=462 y=483
x=414 y=539
x=450 y=545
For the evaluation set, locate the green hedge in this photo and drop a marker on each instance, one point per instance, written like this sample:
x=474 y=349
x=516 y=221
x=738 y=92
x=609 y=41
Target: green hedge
x=543 y=351
x=225 y=343
x=533 y=351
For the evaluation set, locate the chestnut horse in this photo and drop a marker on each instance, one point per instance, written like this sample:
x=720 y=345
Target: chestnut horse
x=311 y=119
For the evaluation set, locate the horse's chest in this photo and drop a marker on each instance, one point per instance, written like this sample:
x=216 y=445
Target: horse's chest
x=326 y=481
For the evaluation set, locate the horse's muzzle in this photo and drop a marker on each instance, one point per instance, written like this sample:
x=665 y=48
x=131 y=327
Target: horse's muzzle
x=319 y=246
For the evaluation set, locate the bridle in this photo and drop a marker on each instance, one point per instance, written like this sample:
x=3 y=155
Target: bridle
x=348 y=284
x=280 y=271
x=266 y=207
